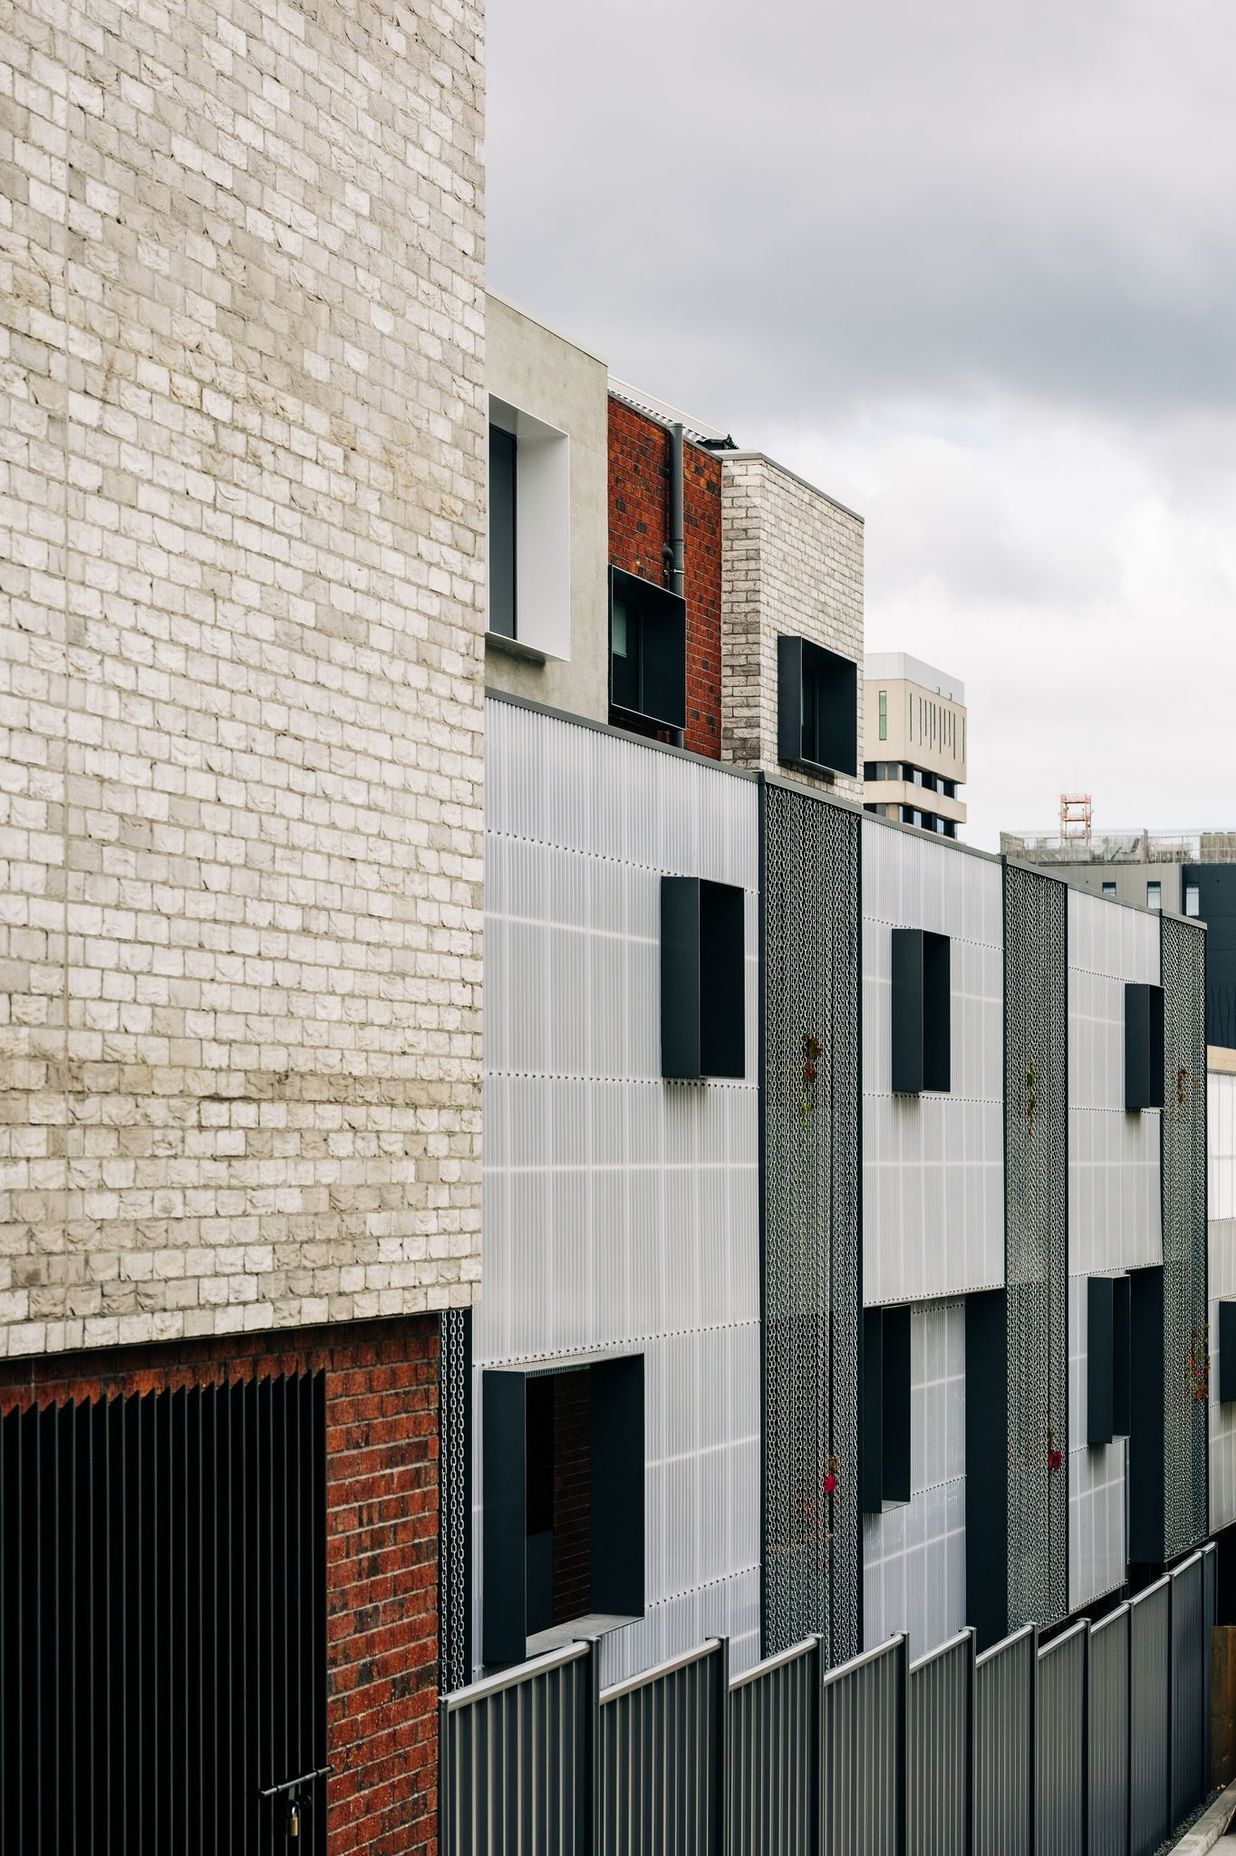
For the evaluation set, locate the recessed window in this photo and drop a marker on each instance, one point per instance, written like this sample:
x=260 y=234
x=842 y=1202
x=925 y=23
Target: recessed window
x=563 y=1502
x=703 y=978
x=502 y=526
x=1154 y=895
x=817 y=707
x=1109 y=889
x=1108 y=1358
x=647 y=651
x=886 y=1408
x=921 y=1014
x=884 y=715
x=1143 y=1046
x=1192 y=899
x=529 y=534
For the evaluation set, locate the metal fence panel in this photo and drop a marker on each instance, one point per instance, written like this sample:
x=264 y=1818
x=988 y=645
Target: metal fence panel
x=1190 y=1705
x=939 y=1766
x=662 y=1743
x=862 y=1754
x=1004 y=1747
x=1060 y=1746
x=515 y=1761
x=773 y=1742
x=1210 y=1564
x=1149 y=1800
x=1107 y=1736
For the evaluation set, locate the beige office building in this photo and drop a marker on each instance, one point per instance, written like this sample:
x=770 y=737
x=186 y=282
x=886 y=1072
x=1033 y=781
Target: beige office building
x=914 y=728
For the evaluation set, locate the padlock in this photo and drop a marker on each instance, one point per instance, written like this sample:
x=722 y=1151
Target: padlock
x=293 y=1818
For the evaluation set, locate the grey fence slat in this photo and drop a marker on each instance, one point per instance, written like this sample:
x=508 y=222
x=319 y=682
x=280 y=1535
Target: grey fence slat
x=1210 y=1564
x=773 y=1740
x=1060 y=1749
x=939 y=1766
x=661 y=1766
x=1188 y=1716
x=1107 y=1736
x=862 y=1754
x=1004 y=1747
x=1149 y=1698
x=515 y=1760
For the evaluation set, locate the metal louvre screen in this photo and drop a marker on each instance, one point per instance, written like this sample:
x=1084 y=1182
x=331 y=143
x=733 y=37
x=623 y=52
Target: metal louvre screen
x=812 y=1237
x=940 y=1749
x=863 y=1755
x=162 y=1621
x=1060 y=1746
x=1149 y=1719
x=774 y=1742
x=455 y=1500
x=1107 y=1737
x=1186 y=1342
x=662 y=1758
x=1036 y=1243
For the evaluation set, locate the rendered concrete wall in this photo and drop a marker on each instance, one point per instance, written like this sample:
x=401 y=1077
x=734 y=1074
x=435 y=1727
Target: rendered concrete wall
x=242 y=438
x=793 y=564
x=542 y=374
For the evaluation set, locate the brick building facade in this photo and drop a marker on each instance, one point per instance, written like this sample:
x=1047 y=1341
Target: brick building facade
x=639 y=464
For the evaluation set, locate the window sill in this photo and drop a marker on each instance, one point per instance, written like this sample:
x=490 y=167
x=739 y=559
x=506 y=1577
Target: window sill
x=816 y=769
x=511 y=647
x=594 y=1624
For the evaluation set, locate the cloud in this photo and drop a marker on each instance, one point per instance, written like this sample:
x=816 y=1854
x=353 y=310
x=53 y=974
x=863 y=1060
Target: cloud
x=973 y=270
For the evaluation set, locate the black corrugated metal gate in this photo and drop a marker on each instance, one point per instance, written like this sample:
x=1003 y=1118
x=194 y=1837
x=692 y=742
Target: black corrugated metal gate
x=162 y=1623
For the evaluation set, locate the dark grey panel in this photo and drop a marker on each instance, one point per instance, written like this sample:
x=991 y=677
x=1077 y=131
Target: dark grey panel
x=863 y=1755
x=921 y=1011
x=1060 y=1746
x=662 y=1761
x=774 y=1746
x=1149 y=1700
x=455 y=1499
x=1100 y=1359
x=817 y=707
x=617 y=1486
x=1143 y=1046
x=1227 y=1350
x=516 y=1763
x=504 y=1496
x=939 y=1765
x=1183 y=1166
x=1107 y=1737
x=1146 y=1410
x=1190 y=1690
x=812 y=1236
x=1004 y=1708
x=1216 y=886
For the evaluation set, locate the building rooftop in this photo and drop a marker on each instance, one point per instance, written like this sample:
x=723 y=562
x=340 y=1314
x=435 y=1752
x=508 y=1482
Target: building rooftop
x=892 y=665
x=1122 y=847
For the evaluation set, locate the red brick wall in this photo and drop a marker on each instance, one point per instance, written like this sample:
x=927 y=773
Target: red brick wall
x=572 y=1495
x=381 y=1544
x=639 y=450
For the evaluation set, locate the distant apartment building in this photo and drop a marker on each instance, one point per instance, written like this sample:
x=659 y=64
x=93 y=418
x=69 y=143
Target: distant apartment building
x=1192 y=873
x=914 y=726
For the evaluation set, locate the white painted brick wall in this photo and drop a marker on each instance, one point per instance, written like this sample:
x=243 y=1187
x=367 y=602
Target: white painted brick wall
x=792 y=562
x=241 y=588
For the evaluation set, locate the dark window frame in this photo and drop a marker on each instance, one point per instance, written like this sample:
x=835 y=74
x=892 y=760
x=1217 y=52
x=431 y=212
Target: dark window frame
x=504 y=489
x=921 y=1014
x=650 y=687
x=817 y=708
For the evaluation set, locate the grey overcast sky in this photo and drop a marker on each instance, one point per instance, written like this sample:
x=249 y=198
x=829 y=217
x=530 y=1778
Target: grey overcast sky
x=972 y=269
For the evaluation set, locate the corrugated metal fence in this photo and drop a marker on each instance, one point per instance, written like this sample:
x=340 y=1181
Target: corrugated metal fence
x=1094 y=1744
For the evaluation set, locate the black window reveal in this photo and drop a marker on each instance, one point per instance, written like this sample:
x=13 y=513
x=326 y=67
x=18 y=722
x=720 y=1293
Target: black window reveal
x=502 y=511
x=1108 y=1358
x=921 y=1014
x=647 y=651
x=817 y=707
x=1143 y=1046
x=1227 y=1350
x=563 y=1488
x=886 y=1408
x=703 y=978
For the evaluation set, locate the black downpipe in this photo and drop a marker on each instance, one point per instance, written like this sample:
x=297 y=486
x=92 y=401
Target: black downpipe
x=675 y=548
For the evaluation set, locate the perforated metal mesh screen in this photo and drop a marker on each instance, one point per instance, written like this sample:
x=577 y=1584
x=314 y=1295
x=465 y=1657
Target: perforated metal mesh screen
x=455 y=1500
x=1186 y=1343
x=1036 y=1243
x=812 y=1159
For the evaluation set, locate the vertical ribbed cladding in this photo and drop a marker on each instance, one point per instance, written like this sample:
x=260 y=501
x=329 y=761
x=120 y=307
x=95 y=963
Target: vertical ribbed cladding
x=455 y=1499
x=1004 y=1716
x=1190 y=1688
x=1060 y=1804
x=1183 y=1136
x=1149 y=1717
x=1036 y=1243
x=774 y=1750
x=811 y=1250
x=863 y=1754
x=1107 y=1736
x=940 y=1749
x=662 y=1756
